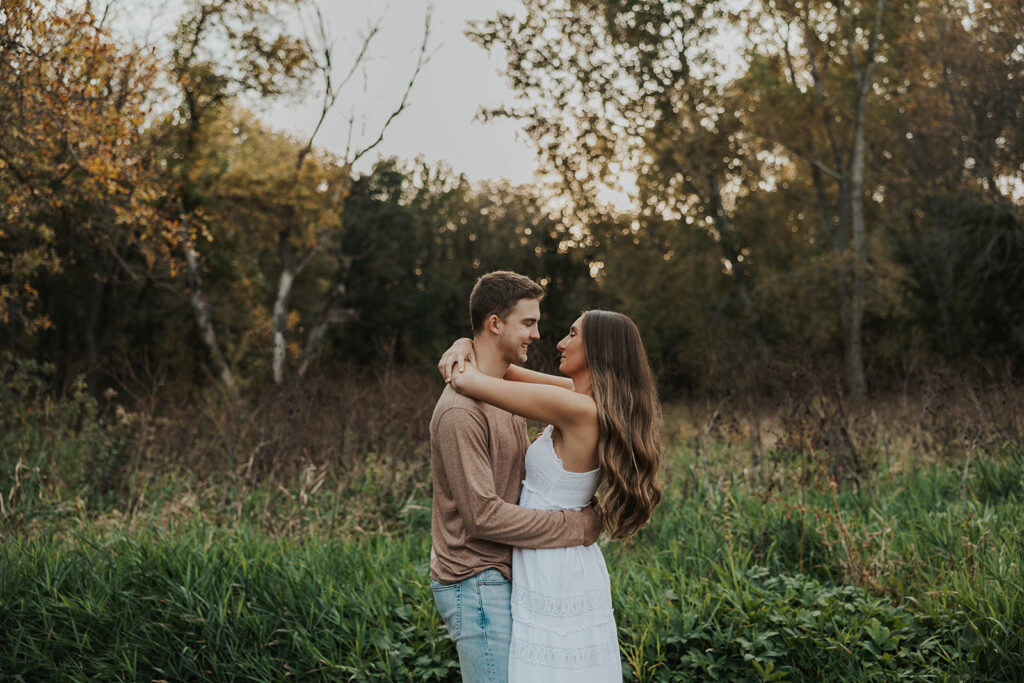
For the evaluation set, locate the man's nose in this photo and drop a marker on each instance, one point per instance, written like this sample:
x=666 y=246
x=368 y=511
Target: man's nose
x=535 y=332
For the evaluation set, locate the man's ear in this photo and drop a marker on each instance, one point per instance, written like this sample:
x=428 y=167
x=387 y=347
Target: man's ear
x=492 y=323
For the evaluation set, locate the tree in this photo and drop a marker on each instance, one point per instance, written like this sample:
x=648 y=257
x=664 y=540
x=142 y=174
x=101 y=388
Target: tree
x=813 y=71
x=317 y=235
x=76 y=188
x=608 y=89
x=253 y=188
x=955 y=104
x=225 y=49
x=221 y=49
x=418 y=238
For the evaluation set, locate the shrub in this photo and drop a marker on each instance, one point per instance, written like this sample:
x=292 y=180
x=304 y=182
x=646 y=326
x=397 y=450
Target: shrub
x=55 y=452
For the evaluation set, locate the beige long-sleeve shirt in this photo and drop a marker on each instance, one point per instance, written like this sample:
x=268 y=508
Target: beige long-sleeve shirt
x=477 y=467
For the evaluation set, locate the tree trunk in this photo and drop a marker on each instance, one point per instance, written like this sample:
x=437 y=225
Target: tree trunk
x=328 y=317
x=330 y=314
x=837 y=225
x=855 y=360
x=204 y=318
x=91 y=346
x=732 y=252
x=280 y=318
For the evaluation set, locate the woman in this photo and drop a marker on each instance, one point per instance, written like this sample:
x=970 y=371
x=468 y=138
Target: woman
x=602 y=434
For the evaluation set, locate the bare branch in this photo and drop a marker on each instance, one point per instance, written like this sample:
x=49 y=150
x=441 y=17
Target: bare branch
x=421 y=60
x=820 y=166
x=326 y=68
x=309 y=256
x=374 y=30
x=127 y=268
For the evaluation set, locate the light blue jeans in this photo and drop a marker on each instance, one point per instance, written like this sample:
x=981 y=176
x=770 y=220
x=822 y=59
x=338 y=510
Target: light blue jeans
x=478 y=614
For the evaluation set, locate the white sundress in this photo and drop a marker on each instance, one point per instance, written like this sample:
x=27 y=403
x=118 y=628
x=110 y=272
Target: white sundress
x=563 y=628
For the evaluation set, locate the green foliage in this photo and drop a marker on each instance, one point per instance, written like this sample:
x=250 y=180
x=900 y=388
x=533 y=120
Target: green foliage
x=208 y=604
x=966 y=273
x=712 y=591
x=731 y=250
x=419 y=238
x=997 y=480
x=54 y=453
x=915 y=578
x=756 y=624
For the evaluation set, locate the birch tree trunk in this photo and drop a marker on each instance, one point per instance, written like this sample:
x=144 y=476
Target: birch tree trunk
x=204 y=319
x=329 y=314
x=846 y=227
x=280 y=315
x=855 y=356
x=858 y=301
x=835 y=220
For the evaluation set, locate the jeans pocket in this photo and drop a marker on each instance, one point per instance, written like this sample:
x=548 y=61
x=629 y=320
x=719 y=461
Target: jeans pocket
x=491 y=577
x=449 y=603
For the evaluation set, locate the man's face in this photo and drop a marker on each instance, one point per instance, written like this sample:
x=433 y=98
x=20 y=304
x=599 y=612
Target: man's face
x=518 y=330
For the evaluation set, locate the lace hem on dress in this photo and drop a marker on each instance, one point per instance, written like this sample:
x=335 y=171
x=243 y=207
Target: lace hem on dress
x=536 y=602
x=563 y=657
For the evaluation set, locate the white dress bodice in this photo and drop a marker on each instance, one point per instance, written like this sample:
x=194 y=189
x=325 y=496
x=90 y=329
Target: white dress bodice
x=548 y=486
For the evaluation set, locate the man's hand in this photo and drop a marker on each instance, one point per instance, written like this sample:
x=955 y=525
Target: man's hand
x=457 y=355
x=591 y=525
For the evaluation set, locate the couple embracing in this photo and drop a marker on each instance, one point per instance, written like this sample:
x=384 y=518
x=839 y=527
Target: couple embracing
x=515 y=570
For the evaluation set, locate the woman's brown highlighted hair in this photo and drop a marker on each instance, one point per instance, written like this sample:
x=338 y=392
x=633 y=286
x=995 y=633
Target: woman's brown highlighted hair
x=628 y=416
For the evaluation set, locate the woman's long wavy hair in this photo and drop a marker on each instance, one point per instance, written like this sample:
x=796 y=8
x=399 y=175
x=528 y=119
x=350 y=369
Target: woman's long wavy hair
x=628 y=417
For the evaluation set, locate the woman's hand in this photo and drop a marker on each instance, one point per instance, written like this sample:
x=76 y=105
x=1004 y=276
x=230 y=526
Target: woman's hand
x=457 y=355
x=466 y=374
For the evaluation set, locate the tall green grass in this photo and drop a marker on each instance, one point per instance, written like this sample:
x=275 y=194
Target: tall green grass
x=214 y=604
x=917 y=580
x=120 y=560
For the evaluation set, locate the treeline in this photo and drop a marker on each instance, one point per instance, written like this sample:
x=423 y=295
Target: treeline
x=848 y=200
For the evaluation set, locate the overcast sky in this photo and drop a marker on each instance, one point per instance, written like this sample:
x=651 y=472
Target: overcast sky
x=439 y=123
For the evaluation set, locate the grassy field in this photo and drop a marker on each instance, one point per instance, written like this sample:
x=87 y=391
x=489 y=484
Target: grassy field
x=761 y=564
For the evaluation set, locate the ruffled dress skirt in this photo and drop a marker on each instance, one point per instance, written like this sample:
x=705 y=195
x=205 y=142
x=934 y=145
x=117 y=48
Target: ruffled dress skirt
x=563 y=626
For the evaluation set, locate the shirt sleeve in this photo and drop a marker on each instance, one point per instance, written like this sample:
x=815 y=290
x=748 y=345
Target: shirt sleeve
x=463 y=445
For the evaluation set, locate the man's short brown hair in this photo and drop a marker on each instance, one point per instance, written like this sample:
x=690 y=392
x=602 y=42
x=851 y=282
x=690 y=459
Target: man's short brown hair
x=497 y=293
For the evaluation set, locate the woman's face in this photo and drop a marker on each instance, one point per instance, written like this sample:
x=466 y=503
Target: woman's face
x=573 y=358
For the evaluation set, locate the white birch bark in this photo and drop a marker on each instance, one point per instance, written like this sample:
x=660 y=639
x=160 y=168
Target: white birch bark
x=204 y=318
x=285 y=283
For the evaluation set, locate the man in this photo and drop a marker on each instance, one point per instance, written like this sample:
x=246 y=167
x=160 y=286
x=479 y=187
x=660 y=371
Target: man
x=477 y=467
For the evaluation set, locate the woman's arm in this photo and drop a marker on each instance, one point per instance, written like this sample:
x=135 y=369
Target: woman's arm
x=537 y=401
x=461 y=351
x=519 y=374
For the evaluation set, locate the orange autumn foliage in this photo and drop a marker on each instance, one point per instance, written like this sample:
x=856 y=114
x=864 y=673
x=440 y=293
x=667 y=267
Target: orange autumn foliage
x=72 y=104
